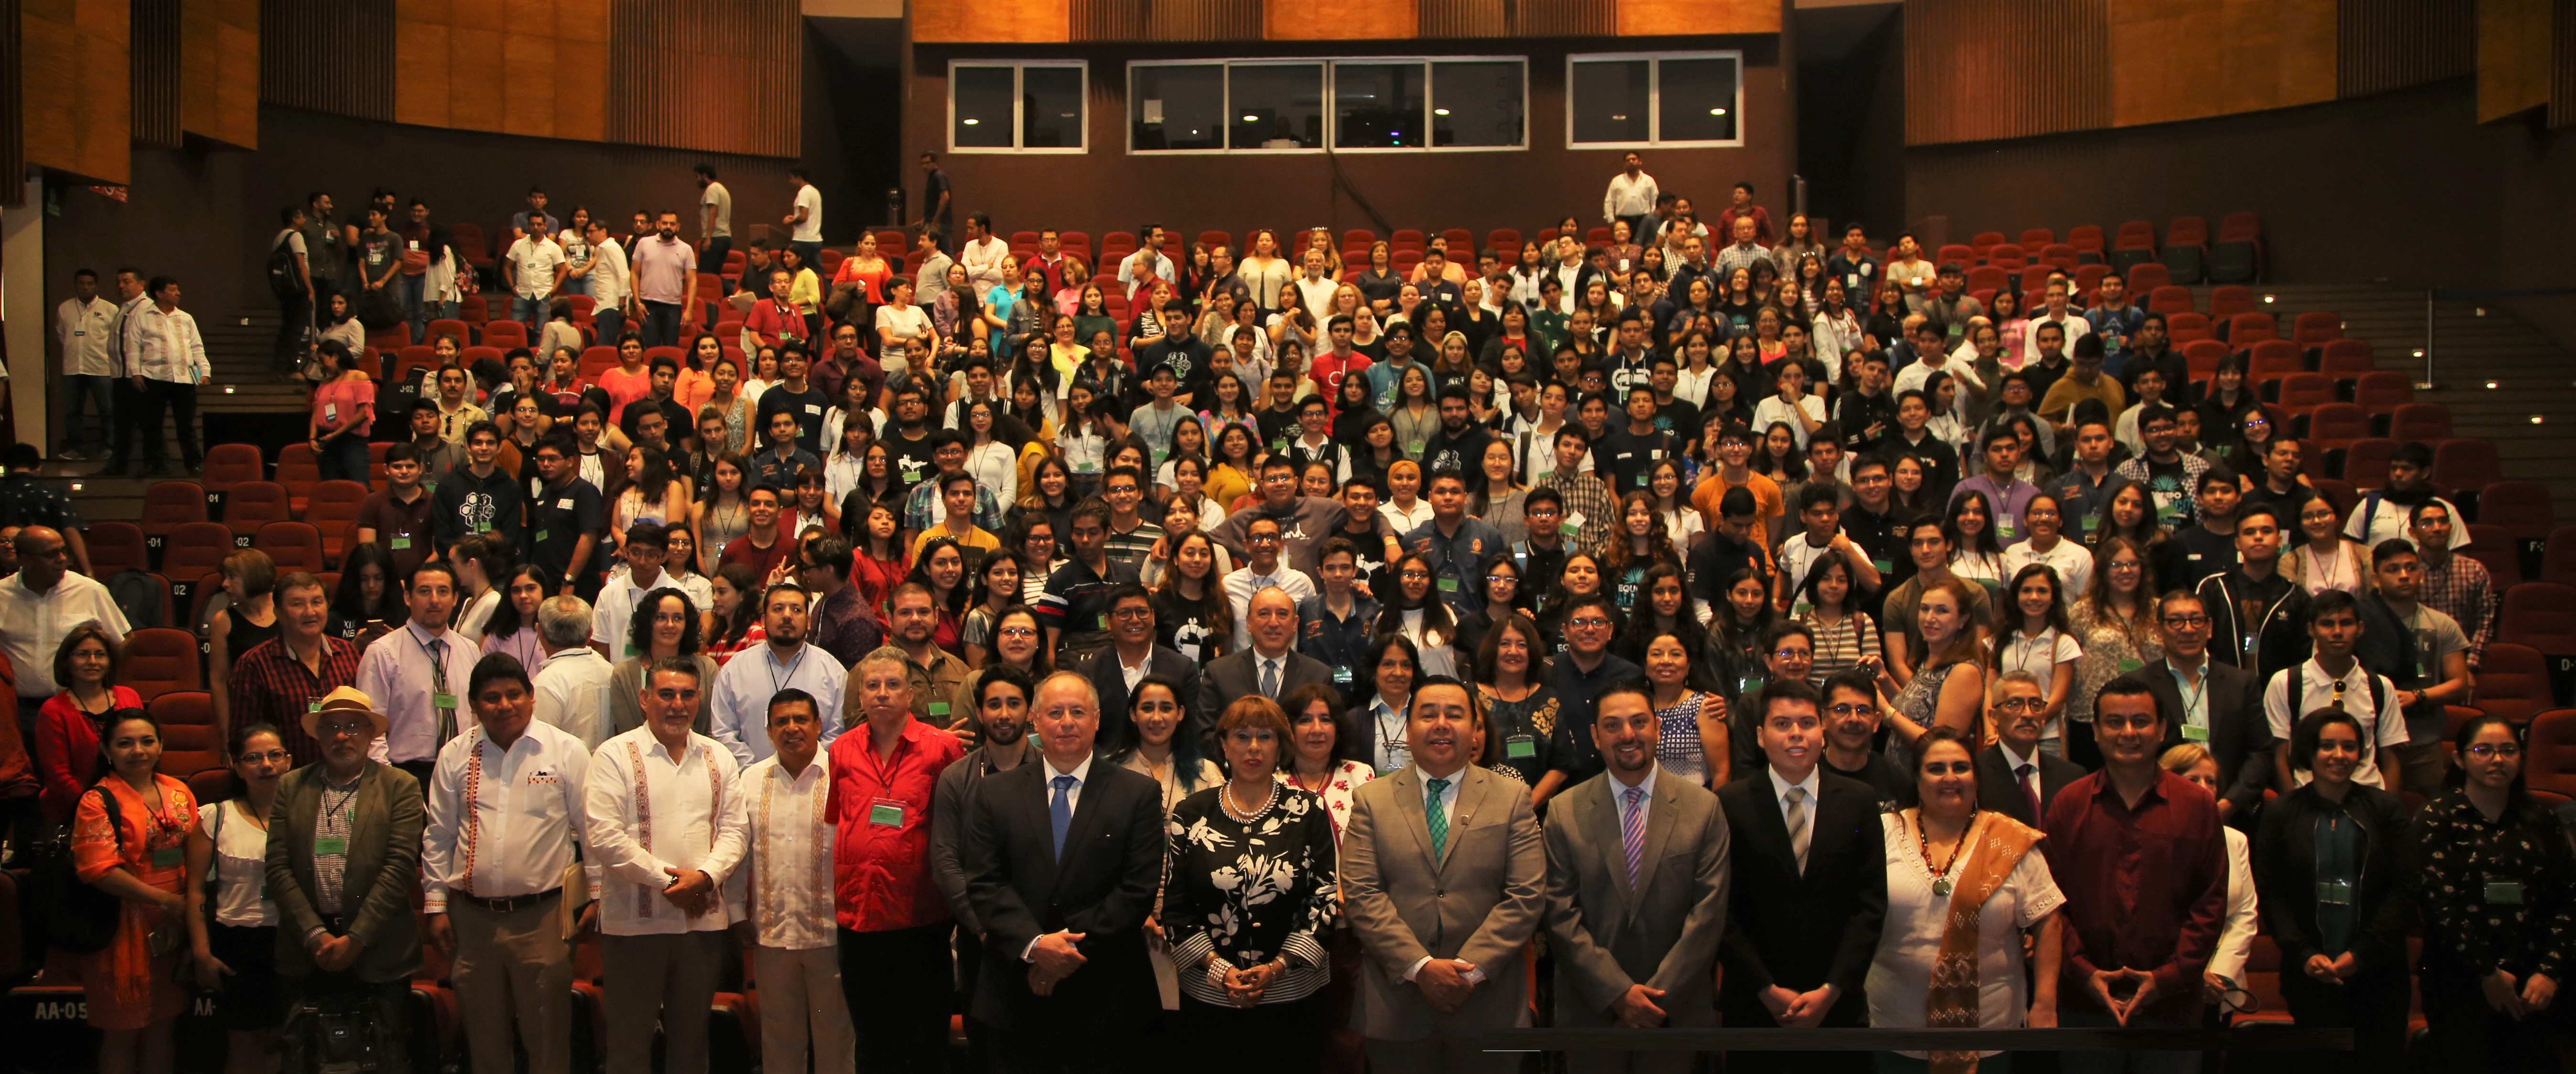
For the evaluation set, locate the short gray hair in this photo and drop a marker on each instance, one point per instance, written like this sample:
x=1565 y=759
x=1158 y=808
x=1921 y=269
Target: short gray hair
x=1088 y=690
x=2020 y=676
x=564 y=622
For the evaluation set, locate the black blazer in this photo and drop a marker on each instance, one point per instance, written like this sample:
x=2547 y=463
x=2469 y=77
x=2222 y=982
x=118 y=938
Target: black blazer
x=1802 y=931
x=1239 y=673
x=2285 y=874
x=1103 y=886
x=2240 y=735
x=1999 y=791
x=1115 y=732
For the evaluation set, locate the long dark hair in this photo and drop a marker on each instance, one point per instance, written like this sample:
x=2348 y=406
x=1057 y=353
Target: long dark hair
x=350 y=602
x=745 y=579
x=1985 y=543
x=2009 y=620
x=921 y=573
x=1436 y=620
x=505 y=619
x=1185 y=746
x=1640 y=629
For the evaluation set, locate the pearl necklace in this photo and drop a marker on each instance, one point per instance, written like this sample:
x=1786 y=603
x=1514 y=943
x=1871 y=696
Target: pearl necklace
x=1226 y=799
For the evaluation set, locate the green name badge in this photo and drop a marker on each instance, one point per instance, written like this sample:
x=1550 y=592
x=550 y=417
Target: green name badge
x=330 y=844
x=2092 y=522
x=2195 y=733
x=1519 y=747
x=2504 y=892
x=1882 y=566
x=541 y=536
x=1568 y=530
x=169 y=857
x=442 y=701
x=1801 y=608
x=886 y=815
x=2127 y=666
x=1341 y=676
x=400 y=543
x=313 y=705
x=939 y=708
x=1448 y=585
x=630 y=649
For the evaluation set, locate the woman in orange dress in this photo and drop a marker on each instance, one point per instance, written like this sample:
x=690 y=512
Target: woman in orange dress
x=129 y=839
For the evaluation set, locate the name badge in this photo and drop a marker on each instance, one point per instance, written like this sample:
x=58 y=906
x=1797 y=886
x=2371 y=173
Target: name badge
x=400 y=543
x=811 y=408
x=911 y=473
x=1448 y=585
x=541 y=536
x=564 y=504
x=1749 y=684
x=169 y=857
x=2092 y=522
x=330 y=411
x=442 y=701
x=330 y=844
x=2195 y=733
x=1518 y=747
x=939 y=708
x=1341 y=676
x=2504 y=892
x=2127 y=666
x=1882 y=566
x=2334 y=892
x=885 y=814
x=2004 y=528
x=2194 y=557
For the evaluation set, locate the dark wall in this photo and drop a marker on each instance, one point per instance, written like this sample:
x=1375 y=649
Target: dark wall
x=206 y=216
x=1111 y=189
x=1851 y=116
x=853 y=79
x=2403 y=186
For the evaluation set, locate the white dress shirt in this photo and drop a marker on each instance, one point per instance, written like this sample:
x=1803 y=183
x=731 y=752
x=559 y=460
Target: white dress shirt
x=573 y=694
x=32 y=625
x=396 y=673
x=1242 y=583
x=615 y=611
x=1628 y=197
x=164 y=346
x=649 y=811
x=738 y=714
x=2381 y=728
x=2073 y=324
x=505 y=822
x=983 y=260
x=790 y=838
x=85 y=333
x=1393 y=752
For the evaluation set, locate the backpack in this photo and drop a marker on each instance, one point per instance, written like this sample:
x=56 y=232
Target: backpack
x=139 y=596
x=342 y=1027
x=282 y=278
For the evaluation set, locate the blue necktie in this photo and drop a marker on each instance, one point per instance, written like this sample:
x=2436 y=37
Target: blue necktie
x=1060 y=811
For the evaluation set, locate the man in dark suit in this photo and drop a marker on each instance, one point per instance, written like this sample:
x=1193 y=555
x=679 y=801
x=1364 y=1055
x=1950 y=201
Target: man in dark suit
x=1132 y=649
x=1636 y=891
x=1271 y=667
x=1810 y=880
x=2013 y=777
x=2211 y=702
x=1062 y=859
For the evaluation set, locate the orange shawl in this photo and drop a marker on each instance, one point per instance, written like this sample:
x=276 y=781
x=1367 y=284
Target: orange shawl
x=1994 y=846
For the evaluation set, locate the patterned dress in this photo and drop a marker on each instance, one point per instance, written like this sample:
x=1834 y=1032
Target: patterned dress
x=2498 y=894
x=1249 y=890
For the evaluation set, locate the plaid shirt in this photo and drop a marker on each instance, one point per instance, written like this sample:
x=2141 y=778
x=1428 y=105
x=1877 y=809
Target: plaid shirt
x=269 y=685
x=1586 y=495
x=2463 y=589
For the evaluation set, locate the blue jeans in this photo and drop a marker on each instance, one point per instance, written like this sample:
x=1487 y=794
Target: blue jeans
x=713 y=260
x=344 y=458
x=531 y=311
x=661 y=324
x=408 y=291
x=607 y=323
x=96 y=389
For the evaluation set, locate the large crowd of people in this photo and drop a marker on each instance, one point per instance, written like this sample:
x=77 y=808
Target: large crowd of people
x=1753 y=632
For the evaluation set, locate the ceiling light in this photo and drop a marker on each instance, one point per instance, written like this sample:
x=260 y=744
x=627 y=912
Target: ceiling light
x=1252 y=119
x=971 y=122
x=2267 y=299
x=1439 y=111
x=1717 y=111
x=2493 y=385
x=2535 y=419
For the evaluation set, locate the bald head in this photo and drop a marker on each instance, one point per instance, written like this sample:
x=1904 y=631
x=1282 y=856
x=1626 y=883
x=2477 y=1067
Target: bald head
x=40 y=557
x=1271 y=617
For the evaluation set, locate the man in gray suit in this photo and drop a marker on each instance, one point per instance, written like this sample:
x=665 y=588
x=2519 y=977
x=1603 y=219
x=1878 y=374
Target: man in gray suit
x=1442 y=874
x=1271 y=667
x=1636 y=891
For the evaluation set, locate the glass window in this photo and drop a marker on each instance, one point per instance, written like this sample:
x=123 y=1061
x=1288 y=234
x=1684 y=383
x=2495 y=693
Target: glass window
x=1696 y=99
x=1051 y=112
x=1275 y=106
x=1681 y=98
x=1477 y=103
x=1178 y=107
x=1378 y=105
x=982 y=99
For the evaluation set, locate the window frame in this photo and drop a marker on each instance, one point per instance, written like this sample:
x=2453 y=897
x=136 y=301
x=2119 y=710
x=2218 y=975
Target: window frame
x=1331 y=88
x=1019 y=105
x=1655 y=98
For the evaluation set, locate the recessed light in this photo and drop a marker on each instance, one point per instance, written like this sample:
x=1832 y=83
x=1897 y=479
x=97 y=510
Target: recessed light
x=2267 y=299
x=1252 y=119
x=1439 y=111
x=2535 y=419
x=2419 y=352
x=972 y=121
x=1621 y=119
x=1717 y=111
x=2493 y=385
x=76 y=486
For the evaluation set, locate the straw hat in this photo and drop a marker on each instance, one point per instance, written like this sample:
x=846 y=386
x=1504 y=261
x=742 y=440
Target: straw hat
x=345 y=699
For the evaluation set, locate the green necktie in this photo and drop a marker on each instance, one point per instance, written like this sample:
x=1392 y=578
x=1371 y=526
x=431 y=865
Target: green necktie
x=1437 y=818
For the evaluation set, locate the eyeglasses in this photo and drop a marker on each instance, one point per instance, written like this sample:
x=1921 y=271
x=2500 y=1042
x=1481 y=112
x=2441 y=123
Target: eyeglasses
x=1417 y=576
x=1019 y=632
x=2022 y=704
x=2128 y=566
x=2488 y=750
x=1498 y=579
x=1132 y=613
x=1588 y=621
x=1794 y=654
x=272 y=755
x=1848 y=709
x=2186 y=622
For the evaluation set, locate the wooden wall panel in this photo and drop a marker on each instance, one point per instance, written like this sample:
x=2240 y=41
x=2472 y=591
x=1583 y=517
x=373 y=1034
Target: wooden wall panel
x=2513 y=56
x=1338 y=20
x=2187 y=59
x=13 y=160
x=1987 y=69
x=718 y=75
x=528 y=67
x=77 y=98
x=153 y=51
x=2562 y=64
x=219 y=71
x=1018 y=21
x=1677 y=17
x=334 y=56
x=2385 y=45
x=1163 y=20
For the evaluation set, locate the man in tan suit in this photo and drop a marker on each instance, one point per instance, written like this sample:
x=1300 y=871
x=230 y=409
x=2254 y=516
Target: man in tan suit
x=1441 y=875
x=1636 y=891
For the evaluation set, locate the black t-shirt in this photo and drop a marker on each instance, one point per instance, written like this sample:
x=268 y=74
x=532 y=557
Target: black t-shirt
x=1181 y=626
x=911 y=458
x=557 y=519
x=808 y=406
x=1462 y=451
x=1679 y=417
x=2194 y=553
x=1628 y=458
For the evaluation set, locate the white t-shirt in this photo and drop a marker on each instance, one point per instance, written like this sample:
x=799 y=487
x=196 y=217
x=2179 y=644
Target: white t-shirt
x=241 y=867
x=535 y=260
x=908 y=322
x=811 y=228
x=716 y=195
x=2073 y=561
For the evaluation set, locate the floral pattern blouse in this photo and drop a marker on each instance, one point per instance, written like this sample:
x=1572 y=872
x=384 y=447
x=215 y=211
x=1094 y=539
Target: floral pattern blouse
x=1250 y=891
x=2497 y=894
x=1335 y=791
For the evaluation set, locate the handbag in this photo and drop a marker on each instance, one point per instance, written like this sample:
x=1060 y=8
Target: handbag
x=78 y=917
x=341 y=1027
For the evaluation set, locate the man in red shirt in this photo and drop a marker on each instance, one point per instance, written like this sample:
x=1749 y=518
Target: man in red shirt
x=2137 y=852
x=894 y=922
x=764 y=546
x=1331 y=365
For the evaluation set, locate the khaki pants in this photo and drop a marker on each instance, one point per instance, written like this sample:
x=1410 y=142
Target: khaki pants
x=800 y=1000
x=665 y=978
x=514 y=969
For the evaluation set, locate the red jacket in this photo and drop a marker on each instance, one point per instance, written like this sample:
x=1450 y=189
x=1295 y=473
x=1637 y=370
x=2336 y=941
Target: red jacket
x=67 y=750
x=881 y=865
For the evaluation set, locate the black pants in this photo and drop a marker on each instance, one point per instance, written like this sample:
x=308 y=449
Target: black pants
x=2468 y=1035
x=294 y=320
x=180 y=402
x=1088 y=1053
x=2373 y=1006
x=894 y=981
x=420 y=770
x=720 y=248
x=1291 y=1035
x=129 y=403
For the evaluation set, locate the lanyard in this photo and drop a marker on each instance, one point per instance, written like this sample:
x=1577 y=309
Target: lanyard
x=775 y=683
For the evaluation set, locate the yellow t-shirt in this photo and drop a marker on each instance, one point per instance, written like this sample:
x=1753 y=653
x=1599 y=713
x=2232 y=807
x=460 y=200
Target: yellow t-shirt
x=974 y=537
